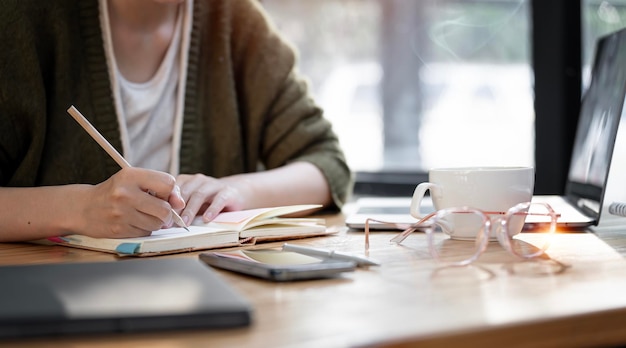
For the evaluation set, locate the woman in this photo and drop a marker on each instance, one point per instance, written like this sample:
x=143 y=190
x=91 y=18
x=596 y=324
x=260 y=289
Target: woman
x=202 y=98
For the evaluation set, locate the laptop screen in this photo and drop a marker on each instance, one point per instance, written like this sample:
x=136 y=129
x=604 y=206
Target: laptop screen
x=600 y=113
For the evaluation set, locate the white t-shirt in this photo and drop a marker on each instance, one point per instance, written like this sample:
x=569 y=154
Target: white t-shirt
x=150 y=113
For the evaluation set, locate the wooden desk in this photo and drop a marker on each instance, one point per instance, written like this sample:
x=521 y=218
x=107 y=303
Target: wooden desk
x=405 y=301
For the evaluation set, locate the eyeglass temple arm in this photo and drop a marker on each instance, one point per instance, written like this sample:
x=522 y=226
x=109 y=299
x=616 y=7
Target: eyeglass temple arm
x=370 y=220
x=402 y=236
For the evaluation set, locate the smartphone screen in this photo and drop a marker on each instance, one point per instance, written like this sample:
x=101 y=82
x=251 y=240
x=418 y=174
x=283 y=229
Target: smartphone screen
x=277 y=265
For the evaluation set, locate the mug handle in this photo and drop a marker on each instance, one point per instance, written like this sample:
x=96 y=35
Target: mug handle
x=418 y=196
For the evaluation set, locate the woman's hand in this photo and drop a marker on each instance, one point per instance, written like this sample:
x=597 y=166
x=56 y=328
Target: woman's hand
x=294 y=183
x=208 y=196
x=133 y=202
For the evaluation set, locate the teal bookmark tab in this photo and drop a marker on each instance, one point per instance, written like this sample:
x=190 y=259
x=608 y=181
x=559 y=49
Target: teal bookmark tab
x=128 y=248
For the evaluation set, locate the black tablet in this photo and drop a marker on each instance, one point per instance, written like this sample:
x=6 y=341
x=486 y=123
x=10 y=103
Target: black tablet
x=131 y=295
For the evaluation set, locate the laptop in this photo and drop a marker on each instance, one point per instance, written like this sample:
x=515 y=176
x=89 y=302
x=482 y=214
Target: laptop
x=600 y=113
x=135 y=295
x=395 y=210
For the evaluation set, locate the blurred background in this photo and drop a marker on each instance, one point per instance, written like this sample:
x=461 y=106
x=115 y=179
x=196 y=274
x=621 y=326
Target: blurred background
x=415 y=84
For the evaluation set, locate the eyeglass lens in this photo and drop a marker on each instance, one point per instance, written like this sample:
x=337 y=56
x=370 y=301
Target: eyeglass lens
x=457 y=235
x=528 y=245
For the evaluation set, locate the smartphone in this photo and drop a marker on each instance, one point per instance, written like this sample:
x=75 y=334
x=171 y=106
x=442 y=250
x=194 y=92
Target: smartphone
x=277 y=265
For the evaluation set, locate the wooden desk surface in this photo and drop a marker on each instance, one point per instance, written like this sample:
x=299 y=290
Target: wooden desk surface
x=408 y=299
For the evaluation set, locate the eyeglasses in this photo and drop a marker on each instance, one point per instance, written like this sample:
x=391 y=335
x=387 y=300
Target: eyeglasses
x=458 y=236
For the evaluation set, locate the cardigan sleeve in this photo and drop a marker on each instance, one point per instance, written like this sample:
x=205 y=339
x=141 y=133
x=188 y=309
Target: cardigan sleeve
x=282 y=120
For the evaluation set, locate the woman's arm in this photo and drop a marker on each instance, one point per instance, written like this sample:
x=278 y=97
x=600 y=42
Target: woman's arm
x=118 y=207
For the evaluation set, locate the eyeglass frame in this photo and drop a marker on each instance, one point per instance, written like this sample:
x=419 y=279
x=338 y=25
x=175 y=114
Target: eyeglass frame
x=487 y=220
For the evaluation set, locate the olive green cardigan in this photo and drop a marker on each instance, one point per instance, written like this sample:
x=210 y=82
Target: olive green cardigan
x=245 y=107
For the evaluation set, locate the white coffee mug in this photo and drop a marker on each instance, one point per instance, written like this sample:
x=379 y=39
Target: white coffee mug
x=490 y=189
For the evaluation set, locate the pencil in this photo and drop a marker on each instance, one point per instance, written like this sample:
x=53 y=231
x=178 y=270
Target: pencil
x=93 y=132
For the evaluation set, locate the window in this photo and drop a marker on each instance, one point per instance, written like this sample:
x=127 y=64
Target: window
x=410 y=85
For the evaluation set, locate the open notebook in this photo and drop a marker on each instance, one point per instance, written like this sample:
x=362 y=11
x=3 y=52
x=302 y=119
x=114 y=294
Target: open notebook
x=228 y=229
x=600 y=113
